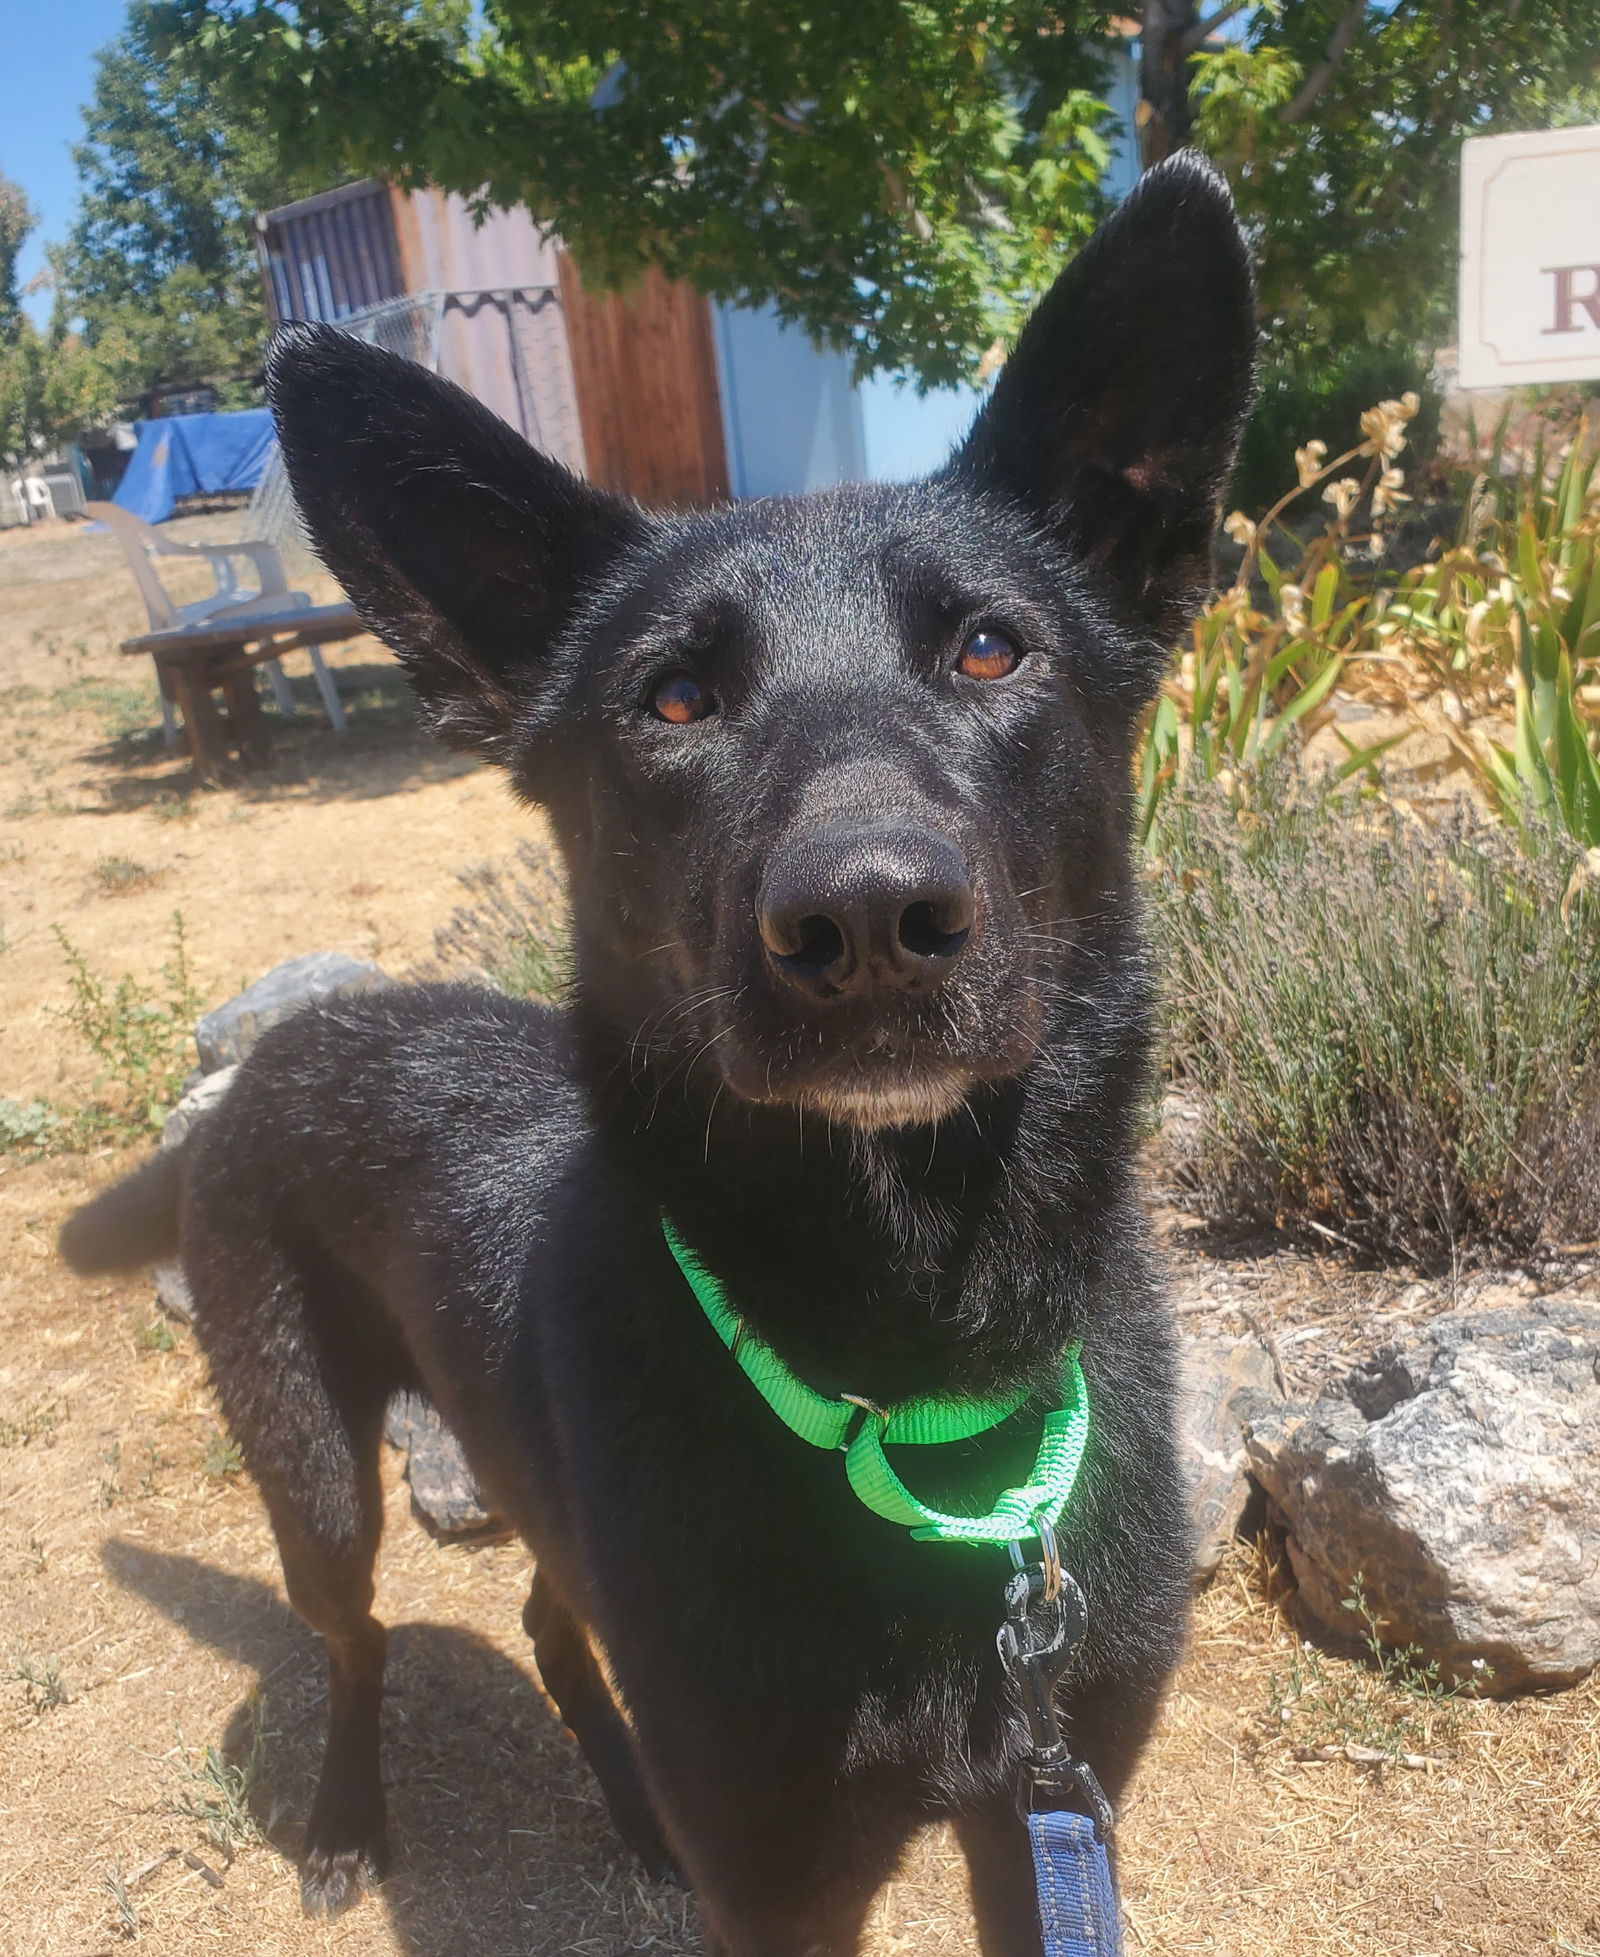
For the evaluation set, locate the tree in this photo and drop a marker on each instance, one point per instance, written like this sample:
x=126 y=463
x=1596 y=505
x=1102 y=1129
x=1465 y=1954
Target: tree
x=52 y=386
x=902 y=176
x=1340 y=125
x=160 y=265
x=898 y=176
x=17 y=219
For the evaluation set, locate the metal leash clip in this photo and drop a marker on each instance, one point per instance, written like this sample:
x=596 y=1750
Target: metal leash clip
x=1044 y=1627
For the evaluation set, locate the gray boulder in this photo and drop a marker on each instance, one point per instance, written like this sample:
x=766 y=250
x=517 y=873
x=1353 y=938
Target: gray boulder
x=1459 y=1477
x=443 y=1492
x=172 y=1287
x=1224 y=1383
x=225 y=1036
x=199 y=1100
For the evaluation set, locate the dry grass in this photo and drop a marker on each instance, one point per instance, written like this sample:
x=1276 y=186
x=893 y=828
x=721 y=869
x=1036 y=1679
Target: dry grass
x=348 y=844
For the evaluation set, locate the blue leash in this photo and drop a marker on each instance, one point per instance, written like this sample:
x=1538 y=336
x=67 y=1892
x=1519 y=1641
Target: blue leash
x=1077 y=1893
x=1068 y=1816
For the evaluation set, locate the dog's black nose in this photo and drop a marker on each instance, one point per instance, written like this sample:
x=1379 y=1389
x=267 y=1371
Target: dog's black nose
x=849 y=912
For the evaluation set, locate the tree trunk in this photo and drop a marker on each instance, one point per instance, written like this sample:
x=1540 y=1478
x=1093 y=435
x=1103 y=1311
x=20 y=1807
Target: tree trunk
x=1164 y=122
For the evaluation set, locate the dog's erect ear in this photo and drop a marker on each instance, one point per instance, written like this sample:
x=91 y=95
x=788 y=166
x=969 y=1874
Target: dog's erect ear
x=1114 y=422
x=462 y=547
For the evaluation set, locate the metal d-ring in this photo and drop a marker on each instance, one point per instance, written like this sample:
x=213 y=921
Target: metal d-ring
x=864 y=1410
x=1050 y=1556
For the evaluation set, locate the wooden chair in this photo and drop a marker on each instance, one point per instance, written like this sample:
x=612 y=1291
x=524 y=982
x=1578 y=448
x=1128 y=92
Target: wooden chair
x=229 y=604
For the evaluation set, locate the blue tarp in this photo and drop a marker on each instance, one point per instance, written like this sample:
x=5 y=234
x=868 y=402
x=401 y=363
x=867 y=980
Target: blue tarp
x=193 y=455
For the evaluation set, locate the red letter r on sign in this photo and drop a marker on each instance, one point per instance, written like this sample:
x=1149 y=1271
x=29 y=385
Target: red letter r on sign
x=1568 y=297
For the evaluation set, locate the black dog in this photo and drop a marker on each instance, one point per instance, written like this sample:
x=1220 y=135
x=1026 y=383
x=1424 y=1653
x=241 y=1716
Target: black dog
x=859 y=1004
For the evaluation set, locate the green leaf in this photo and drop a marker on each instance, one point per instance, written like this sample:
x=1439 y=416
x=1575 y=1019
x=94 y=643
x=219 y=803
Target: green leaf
x=1302 y=704
x=1323 y=593
x=1534 y=779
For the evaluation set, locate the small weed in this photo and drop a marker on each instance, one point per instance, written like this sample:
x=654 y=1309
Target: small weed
x=116 y=876
x=22 y=806
x=216 y=1792
x=222 y=1456
x=174 y=808
x=110 y=1492
x=153 y=1335
x=124 y=709
x=27 y=1127
x=36 y=1423
x=1395 y=1702
x=40 y=1679
x=140 y=1033
x=116 y=1887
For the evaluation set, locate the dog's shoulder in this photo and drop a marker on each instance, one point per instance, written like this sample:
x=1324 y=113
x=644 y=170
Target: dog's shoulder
x=408 y=1073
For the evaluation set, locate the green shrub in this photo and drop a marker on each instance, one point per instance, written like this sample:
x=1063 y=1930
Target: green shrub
x=27 y=1127
x=1396 y=1703
x=141 y=1034
x=1393 y=1032
x=1498 y=629
x=513 y=933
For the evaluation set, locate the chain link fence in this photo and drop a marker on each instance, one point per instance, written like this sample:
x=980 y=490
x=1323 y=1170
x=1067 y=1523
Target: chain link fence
x=507 y=345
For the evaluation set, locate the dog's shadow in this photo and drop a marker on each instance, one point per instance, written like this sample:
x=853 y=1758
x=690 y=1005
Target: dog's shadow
x=501 y=1839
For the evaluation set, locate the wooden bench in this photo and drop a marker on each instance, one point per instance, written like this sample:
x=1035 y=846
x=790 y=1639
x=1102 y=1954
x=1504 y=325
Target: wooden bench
x=196 y=661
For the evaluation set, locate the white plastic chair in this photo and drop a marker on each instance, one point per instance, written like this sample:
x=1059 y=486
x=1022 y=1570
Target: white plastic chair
x=229 y=603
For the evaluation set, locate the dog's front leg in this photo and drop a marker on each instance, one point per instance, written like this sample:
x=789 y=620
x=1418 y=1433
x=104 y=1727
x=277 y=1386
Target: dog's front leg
x=831 y=1928
x=790 y=1869
x=1000 y=1874
x=572 y=1678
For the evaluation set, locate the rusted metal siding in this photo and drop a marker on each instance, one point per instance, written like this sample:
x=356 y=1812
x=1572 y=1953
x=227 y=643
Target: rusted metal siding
x=444 y=248
x=645 y=371
x=330 y=256
x=501 y=335
x=623 y=387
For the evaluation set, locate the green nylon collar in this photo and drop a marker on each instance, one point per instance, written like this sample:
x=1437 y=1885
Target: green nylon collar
x=861 y=1429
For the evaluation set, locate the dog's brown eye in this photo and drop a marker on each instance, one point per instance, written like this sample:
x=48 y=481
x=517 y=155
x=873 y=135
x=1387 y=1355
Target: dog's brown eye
x=681 y=698
x=988 y=656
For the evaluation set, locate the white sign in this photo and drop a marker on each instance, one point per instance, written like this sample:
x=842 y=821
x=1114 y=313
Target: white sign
x=1530 y=258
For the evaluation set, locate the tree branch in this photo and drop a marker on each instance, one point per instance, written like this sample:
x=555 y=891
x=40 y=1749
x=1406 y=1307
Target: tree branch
x=1320 y=76
x=905 y=203
x=1202 y=30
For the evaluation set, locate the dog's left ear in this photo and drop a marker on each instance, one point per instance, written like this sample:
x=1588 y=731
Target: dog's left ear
x=1115 y=421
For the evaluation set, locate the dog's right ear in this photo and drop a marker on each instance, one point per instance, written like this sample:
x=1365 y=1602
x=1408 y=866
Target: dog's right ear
x=462 y=547
x=1114 y=423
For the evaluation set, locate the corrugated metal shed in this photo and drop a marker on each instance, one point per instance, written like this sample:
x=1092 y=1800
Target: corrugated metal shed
x=330 y=256
x=623 y=385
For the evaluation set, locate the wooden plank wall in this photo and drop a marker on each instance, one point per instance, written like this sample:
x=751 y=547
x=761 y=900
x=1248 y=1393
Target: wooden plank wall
x=645 y=371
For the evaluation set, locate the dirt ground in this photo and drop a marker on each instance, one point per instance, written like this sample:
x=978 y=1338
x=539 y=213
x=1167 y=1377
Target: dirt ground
x=142 y=1618
x=342 y=843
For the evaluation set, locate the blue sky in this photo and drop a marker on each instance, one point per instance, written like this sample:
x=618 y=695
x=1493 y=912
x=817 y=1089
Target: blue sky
x=46 y=76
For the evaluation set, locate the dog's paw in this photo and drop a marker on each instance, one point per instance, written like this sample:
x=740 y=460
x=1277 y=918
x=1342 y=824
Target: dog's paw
x=639 y=1831
x=332 y=1879
x=658 y=1862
